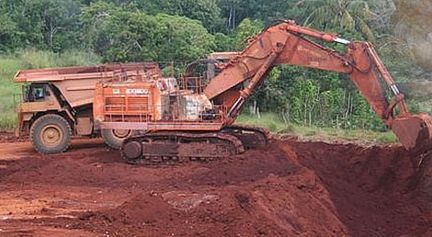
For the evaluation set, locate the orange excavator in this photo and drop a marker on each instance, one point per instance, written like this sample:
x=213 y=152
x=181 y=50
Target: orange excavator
x=193 y=117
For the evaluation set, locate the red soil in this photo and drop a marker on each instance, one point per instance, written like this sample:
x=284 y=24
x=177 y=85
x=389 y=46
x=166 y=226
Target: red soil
x=290 y=189
x=8 y=137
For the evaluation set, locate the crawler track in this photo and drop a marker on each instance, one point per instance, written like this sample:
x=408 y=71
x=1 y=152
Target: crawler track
x=250 y=136
x=169 y=147
x=181 y=147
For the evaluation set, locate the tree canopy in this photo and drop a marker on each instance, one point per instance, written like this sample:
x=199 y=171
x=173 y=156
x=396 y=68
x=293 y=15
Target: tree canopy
x=122 y=35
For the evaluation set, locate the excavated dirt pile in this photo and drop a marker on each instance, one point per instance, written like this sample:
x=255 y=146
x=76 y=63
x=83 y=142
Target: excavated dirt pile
x=290 y=189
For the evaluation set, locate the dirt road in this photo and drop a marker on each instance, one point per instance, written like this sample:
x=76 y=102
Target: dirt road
x=290 y=189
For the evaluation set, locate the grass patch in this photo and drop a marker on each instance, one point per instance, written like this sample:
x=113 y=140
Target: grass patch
x=268 y=120
x=43 y=59
x=28 y=59
x=276 y=124
x=9 y=91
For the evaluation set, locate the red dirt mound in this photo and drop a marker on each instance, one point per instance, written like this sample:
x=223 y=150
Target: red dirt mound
x=290 y=189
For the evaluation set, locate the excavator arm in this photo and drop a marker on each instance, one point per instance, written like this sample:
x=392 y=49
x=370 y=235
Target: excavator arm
x=288 y=43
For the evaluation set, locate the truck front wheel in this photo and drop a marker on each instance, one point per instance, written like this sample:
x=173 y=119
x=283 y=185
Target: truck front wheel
x=51 y=134
x=115 y=137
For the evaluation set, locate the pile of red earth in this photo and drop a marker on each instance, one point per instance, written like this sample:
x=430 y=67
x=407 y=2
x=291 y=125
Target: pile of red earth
x=290 y=189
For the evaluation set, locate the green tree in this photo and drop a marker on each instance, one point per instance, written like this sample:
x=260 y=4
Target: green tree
x=7 y=32
x=247 y=29
x=122 y=35
x=46 y=24
x=234 y=11
x=60 y=23
x=115 y=33
x=340 y=16
x=177 y=44
x=205 y=11
x=224 y=42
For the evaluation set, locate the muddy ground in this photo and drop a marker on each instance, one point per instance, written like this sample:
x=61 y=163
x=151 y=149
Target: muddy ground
x=292 y=188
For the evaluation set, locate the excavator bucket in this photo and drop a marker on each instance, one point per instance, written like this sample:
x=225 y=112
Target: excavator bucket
x=414 y=132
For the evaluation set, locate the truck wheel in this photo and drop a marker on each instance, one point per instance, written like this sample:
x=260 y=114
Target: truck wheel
x=115 y=137
x=51 y=134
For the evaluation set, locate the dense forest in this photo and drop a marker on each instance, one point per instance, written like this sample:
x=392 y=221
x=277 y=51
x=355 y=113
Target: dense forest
x=181 y=31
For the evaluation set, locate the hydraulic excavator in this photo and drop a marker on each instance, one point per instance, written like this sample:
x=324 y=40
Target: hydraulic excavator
x=193 y=117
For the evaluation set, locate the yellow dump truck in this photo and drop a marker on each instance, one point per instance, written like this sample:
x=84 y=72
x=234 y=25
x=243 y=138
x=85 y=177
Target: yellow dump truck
x=57 y=103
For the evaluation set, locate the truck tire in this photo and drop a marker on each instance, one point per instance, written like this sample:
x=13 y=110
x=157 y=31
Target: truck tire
x=115 y=137
x=50 y=134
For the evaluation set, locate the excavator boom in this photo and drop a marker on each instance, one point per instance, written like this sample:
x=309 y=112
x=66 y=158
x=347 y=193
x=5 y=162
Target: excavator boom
x=288 y=43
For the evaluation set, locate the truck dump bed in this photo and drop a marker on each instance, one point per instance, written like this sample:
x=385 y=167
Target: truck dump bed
x=77 y=84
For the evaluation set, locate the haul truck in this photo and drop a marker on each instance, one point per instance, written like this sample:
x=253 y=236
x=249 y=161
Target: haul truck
x=57 y=103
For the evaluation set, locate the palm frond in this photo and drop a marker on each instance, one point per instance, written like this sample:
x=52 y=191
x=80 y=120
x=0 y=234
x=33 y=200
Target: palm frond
x=366 y=30
x=347 y=22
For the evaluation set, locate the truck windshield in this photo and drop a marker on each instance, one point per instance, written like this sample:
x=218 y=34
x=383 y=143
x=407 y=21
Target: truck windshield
x=34 y=93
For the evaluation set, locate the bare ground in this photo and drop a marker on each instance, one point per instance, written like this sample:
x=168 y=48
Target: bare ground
x=292 y=188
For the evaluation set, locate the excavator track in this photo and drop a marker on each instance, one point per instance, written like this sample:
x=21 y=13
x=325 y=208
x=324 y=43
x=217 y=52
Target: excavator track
x=173 y=147
x=250 y=136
